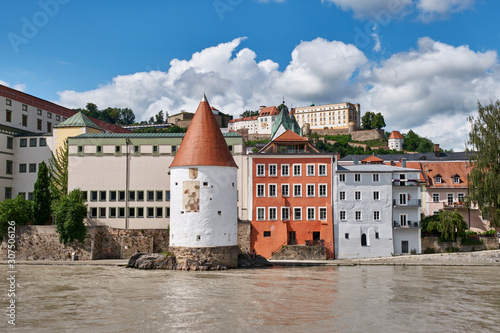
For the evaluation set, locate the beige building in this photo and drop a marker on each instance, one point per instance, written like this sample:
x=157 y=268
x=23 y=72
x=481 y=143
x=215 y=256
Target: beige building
x=330 y=116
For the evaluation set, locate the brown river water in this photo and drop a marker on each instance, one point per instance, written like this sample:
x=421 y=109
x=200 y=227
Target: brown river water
x=292 y=299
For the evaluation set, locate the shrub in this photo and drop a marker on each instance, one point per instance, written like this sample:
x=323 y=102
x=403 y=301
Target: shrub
x=471 y=240
x=489 y=233
x=452 y=249
x=429 y=250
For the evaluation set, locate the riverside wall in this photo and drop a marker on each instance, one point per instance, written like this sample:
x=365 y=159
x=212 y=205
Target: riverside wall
x=489 y=243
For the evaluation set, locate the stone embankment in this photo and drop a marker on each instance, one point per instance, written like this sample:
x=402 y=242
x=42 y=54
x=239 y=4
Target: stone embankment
x=169 y=262
x=491 y=257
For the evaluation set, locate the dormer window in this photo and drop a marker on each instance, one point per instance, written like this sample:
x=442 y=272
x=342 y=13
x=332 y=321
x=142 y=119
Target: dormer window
x=437 y=179
x=456 y=179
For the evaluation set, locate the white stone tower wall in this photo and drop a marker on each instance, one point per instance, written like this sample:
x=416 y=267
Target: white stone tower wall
x=211 y=221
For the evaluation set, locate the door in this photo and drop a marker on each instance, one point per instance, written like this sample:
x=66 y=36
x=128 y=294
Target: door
x=402 y=198
x=404 y=246
x=292 y=239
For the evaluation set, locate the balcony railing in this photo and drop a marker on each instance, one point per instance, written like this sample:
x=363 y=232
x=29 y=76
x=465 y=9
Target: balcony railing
x=408 y=225
x=404 y=182
x=458 y=204
x=407 y=203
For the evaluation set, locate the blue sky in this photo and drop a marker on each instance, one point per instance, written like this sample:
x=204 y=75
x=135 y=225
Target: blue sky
x=422 y=63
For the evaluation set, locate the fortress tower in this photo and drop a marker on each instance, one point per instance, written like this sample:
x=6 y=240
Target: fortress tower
x=203 y=223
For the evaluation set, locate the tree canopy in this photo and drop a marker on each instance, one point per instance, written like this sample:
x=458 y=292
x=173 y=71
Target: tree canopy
x=484 y=177
x=69 y=214
x=58 y=168
x=249 y=113
x=18 y=210
x=111 y=115
x=449 y=224
x=42 y=196
x=370 y=120
x=414 y=142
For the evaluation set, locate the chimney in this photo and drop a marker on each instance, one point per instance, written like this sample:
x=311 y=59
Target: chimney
x=403 y=162
x=437 y=153
x=355 y=162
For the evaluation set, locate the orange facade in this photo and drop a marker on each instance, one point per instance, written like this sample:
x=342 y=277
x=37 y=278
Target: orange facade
x=291 y=202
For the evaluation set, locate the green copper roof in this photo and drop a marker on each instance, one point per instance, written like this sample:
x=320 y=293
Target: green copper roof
x=78 y=120
x=144 y=135
x=288 y=122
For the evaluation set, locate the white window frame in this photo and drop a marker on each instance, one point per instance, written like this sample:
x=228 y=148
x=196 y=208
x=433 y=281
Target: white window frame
x=376 y=195
x=269 y=193
x=376 y=177
x=342 y=195
x=323 y=213
x=299 y=174
x=270 y=216
x=263 y=186
x=261 y=167
x=357 y=195
x=287 y=190
x=356 y=217
x=437 y=196
x=461 y=195
x=376 y=215
x=438 y=180
x=286 y=209
x=456 y=180
x=322 y=195
x=310 y=169
x=448 y=198
x=298 y=209
x=309 y=187
x=341 y=177
x=287 y=174
x=357 y=177
x=313 y=217
x=322 y=174
x=260 y=210
x=300 y=187
x=342 y=215
x=271 y=174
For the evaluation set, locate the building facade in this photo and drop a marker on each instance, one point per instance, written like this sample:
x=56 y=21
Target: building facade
x=330 y=116
x=261 y=124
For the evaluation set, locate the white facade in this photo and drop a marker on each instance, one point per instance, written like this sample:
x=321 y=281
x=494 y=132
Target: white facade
x=204 y=200
x=336 y=116
x=395 y=143
x=366 y=206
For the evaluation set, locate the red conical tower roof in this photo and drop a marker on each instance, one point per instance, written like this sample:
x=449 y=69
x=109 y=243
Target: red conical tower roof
x=203 y=143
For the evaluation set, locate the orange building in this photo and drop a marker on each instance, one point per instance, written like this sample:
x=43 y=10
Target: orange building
x=291 y=200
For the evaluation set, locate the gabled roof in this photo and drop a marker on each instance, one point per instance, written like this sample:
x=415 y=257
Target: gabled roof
x=372 y=159
x=243 y=119
x=78 y=120
x=396 y=135
x=287 y=121
x=203 y=143
x=289 y=136
x=269 y=111
x=446 y=170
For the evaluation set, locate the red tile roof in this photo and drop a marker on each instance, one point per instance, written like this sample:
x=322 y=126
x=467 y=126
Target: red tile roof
x=243 y=119
x=269 y=111
x=289 y=136
x=447 y=171
x=203 y=143
x=372 y=159
x=395 y=135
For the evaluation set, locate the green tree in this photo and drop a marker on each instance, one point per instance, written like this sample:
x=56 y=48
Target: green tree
x=160 y=118
x=367 y=120
x=449 y=224
x=378 y=121
x=484 y=177
x=42 y=196
x=58 y=166
x=249 y=113
x=127 y=116
x=17 y=210
x=69 y=214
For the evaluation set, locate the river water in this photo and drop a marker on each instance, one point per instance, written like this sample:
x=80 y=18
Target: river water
x=298 y=299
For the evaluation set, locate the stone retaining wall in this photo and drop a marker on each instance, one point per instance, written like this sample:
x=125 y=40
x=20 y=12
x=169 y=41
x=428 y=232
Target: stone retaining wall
x=244 y=231
x=301 y=252
x=212 y=256
x=489 y=243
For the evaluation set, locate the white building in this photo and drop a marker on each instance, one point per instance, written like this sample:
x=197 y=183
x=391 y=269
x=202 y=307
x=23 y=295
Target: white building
x=261 y=124
x=396 y=141
x=330 y=116
x=377 y=211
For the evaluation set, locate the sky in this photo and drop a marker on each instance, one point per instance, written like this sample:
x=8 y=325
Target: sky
x=423 y=64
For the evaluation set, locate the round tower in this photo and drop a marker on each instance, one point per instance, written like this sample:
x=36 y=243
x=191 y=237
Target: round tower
x=203 y=220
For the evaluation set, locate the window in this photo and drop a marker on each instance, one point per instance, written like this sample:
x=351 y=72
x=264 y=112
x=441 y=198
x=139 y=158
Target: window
x=140 y=195
x=363 y=240
x=285 y=213
x=342 y=177
x=43 y=142
x=310 y=190
x=357 y=195
x=58 y=117
x=272 y=170
x=98 y=149
x=456 y=180
x=112 y=212
x=102 y=212
x=261 y=190
x=402 y=220
x=357 y=177
x=8 y=102
x=272 y=190
x=25 y=107
x=22 y=167
x=376 y=177
x=377 y=235
x=121 y=212
x=311 y=214
x=112 y=195
x=437 y=179
x=322 y=190
x=310 y=169
x=159 y=212
x=267 y=233
x=159 y=195
x=342 y=195
x=273 y=215
x=174 y=148
x=461 y=197
x=261 y=214
x=118 y=149
x=93 y=212
x=32 y=167
x=151 y=195
x=285 y=170
x=322 y=213
x=285 y=190
x=450 y=198
x=84 y=195
x=261 y=171
x=358 y=215
x=297 y=170
x=342 y=215
x=8 y=193
x=39 y=112
x=93 y=195
x=402 y=176
x=297 y=190
x=49 y=126
x=297 y=213
x=121 y=195
x=39 y=124
x=102 y=196
x=10 y=142
x=23 y=143
x=80 y=149
x=22 y=195
x=167 y=211
x=376 y=195
x=322 y=169
x=376 y=215
x=131 y=212
x=167 y=195
x=49 y=115
x=136 y=149
x=346 y=235
x=8 y=116
x=131 y=195
x=151 y=212
x=435 y=197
